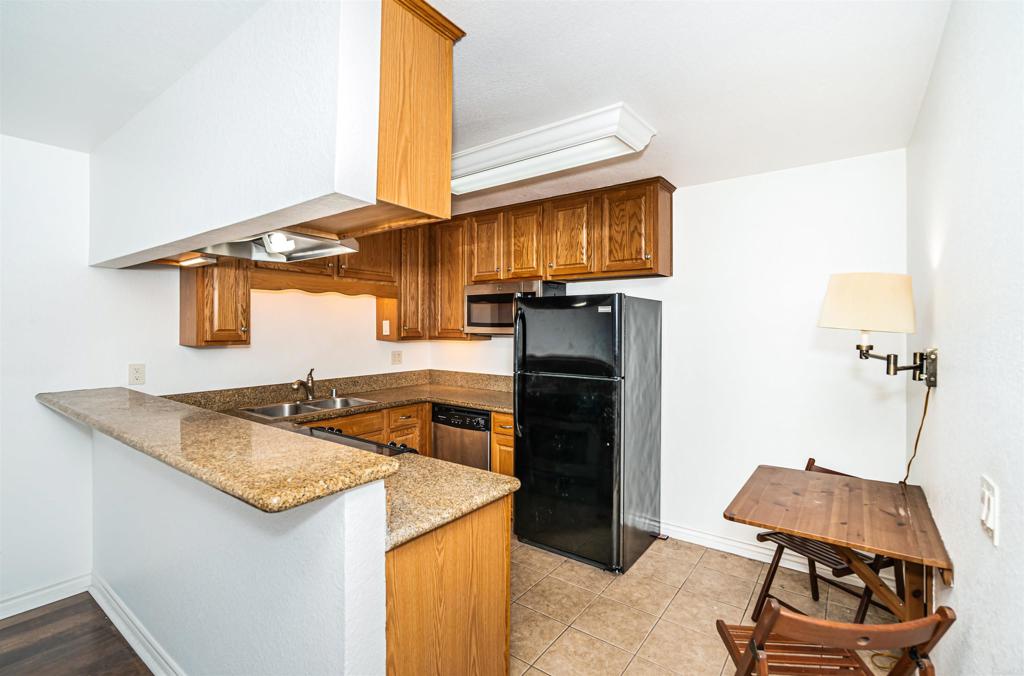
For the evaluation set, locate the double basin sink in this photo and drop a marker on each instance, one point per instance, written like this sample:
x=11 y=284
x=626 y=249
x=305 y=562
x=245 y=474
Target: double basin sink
x=302 y=407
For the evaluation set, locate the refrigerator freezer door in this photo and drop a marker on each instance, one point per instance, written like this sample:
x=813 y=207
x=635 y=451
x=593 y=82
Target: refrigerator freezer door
x=578 y=335
x=567 y=457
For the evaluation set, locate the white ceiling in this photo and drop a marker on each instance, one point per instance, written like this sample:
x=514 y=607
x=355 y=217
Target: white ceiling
x=74 y=71
x=733 y=88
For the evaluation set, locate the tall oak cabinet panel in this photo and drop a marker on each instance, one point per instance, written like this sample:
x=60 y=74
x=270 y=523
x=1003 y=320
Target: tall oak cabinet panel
x=448 y=277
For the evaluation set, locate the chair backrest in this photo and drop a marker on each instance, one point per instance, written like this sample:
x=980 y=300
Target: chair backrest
x=922 y=634
x=813 y=467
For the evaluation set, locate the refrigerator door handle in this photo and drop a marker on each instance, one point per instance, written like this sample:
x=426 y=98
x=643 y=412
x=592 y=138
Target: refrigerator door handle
x=519 y=335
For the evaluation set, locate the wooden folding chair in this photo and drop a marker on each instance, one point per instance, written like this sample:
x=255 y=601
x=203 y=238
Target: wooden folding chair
x=819 y=553
x=787 y=643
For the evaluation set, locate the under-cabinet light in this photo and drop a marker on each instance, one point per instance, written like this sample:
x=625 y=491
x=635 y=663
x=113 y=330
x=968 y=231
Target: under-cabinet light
x=197 y=261
x=599 y=135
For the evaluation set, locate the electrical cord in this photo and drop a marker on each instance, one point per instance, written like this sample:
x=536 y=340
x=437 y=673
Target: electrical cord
x=917 y=441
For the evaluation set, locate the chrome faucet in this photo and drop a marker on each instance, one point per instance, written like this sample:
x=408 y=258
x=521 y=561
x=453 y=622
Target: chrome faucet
x=309 y=384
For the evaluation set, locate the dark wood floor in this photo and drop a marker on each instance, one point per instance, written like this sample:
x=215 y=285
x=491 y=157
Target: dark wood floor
x=72 y=636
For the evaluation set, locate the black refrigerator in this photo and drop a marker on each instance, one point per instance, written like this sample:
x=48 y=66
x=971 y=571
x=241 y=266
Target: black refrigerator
x=588 y=426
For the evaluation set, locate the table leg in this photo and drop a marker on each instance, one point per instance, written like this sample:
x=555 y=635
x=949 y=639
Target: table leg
x=915 y=591
x=875 y=583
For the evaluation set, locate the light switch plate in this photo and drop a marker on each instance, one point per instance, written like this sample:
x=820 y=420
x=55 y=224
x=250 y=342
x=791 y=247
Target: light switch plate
x=990 y=508
x=385 y=327
x=396 y=357
x=136 y=374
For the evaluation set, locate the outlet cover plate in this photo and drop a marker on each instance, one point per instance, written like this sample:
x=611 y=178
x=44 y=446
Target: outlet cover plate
x=136 y=374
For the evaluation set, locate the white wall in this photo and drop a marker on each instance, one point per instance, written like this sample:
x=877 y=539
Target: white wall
x=965 y=243
x=66 y=325
x=222 y=154
x=218 y=587
x=748 y=378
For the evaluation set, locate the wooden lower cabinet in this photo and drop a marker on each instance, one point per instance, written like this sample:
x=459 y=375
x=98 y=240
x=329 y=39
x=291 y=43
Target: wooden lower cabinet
x=410 y=425
x=503 y=443
x=448 y=597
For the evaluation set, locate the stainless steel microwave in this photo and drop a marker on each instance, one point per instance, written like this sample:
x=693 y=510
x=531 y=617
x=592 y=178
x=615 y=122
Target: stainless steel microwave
x=490 y=309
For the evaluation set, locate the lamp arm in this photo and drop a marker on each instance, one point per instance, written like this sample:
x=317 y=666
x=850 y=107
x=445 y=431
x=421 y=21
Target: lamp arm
x=923 y=368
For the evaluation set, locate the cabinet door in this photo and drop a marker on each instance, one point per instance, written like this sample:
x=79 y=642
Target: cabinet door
x=569 y=246
x=317 y=266
x=214 y=304
x=502 y=444
x=449 y=276
x=410 y=436
x=627 y=218
x=485 y=247
x=377 y=260
x=413 y=302
x=523 y=247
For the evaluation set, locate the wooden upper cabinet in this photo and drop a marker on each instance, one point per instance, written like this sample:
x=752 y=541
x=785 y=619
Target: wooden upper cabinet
x=448 y=268
x=485 y=243
x=214 y=304
x=414 y=123
x=569 y=236
x=414 y=147
x=378 y=258
x=317 y=266
x=524 y=246
x=636 y=229
x=627 y=229
x=413 y=295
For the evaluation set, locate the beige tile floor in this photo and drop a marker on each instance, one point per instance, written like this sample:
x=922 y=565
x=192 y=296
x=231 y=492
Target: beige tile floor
x=569 y=618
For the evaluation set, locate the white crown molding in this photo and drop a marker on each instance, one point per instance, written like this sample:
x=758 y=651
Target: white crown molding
x=617 y=121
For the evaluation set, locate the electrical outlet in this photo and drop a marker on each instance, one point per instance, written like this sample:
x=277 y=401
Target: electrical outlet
x=136 y=374
x=990 y=508
x=396 y=357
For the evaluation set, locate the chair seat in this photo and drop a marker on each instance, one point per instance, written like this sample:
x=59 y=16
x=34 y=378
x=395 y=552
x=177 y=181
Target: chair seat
x=787 y=657
x=819 y=552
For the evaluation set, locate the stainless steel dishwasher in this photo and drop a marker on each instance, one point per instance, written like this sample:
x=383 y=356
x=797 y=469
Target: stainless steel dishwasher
x=462 y=435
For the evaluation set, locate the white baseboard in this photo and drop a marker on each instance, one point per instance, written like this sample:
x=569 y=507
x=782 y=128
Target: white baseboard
x=751 y=549
x=147 y=647
x=40 y=597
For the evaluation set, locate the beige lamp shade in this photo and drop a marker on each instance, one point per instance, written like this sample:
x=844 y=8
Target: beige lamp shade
x=869 y=301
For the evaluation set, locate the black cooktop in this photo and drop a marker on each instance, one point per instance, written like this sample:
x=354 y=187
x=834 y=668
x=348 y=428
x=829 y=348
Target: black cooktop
x=332 y=434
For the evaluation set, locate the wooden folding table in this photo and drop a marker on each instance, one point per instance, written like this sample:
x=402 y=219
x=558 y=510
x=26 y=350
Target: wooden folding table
x=877 y=517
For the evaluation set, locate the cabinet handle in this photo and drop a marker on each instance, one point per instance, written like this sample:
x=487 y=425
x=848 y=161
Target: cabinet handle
x=497 y=269
x=551 y=265
x=404 y=417
x=244 y=329
x=505 y=427
x=647 y=257
x=510 y=268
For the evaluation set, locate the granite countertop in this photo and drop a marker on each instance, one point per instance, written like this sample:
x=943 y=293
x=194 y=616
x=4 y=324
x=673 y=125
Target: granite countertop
x=426 y=493
x=268 y=468
x=488 y=400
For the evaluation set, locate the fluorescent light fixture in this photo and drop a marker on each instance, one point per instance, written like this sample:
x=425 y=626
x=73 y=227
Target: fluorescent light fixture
x=601 y=134
x=197 y=261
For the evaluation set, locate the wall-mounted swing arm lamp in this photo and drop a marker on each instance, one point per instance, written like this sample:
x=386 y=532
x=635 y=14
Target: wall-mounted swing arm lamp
x=876 y=301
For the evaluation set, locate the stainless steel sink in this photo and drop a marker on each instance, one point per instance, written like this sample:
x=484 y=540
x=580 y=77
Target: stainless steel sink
x=282 y=410
x=300 y=407
x=338 y=402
